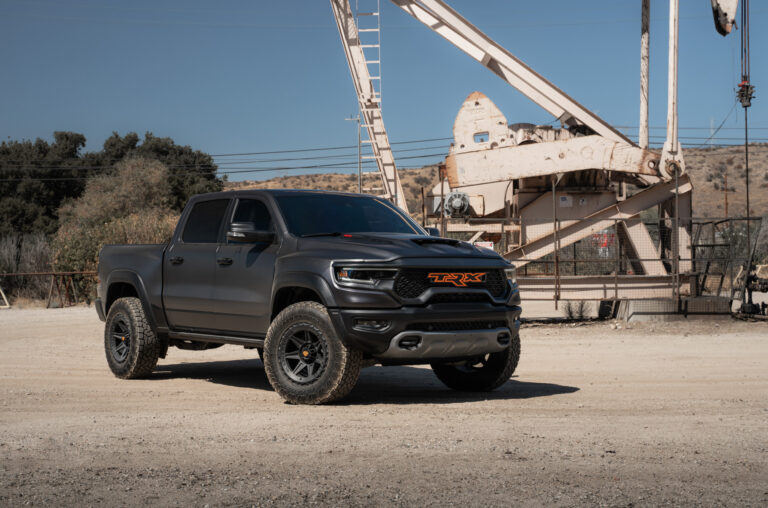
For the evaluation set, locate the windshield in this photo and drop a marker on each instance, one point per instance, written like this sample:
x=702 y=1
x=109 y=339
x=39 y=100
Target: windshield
x=319 y=214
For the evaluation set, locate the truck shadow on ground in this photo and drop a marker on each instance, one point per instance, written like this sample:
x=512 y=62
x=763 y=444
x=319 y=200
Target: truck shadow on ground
x=401 y=385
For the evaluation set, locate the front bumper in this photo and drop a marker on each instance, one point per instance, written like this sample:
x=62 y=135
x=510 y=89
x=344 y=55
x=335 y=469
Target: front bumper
x=445 y=330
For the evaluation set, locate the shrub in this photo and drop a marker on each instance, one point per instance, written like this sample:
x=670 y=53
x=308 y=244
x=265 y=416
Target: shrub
x=137 y=185
x=131 y=206
x=577 y=310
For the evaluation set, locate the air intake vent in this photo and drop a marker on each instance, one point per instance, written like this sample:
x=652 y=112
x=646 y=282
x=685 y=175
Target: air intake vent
x=455 y=326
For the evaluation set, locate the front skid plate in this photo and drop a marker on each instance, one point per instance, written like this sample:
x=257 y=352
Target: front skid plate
x=447 y=344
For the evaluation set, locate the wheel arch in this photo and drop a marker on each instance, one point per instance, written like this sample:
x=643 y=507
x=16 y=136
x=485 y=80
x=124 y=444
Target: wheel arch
x=297 y=287
x=126 y=283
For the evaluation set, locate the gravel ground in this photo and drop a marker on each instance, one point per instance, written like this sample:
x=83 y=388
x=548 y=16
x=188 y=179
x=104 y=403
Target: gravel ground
x=672 y=413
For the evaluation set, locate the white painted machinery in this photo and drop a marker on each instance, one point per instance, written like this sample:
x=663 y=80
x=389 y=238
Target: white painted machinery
x=534 y=190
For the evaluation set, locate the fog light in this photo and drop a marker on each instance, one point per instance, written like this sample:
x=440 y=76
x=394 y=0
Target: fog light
x=371 y=324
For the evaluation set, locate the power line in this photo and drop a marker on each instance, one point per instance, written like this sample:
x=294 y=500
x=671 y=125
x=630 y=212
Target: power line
x=350 y=155
x=325 y=148
x=221 y=164
x=691 y=128
x=340 y=165
x=238 y=164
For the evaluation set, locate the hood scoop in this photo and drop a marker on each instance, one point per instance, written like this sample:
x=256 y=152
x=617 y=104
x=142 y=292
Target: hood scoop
x=435 y=240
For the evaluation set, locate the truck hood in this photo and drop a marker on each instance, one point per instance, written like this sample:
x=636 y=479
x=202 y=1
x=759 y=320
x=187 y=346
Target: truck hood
x=388 y=247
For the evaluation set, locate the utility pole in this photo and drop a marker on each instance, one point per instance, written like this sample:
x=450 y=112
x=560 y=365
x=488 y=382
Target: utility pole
x=359 y=159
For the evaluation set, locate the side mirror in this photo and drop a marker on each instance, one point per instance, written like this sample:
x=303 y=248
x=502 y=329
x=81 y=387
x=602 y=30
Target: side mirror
x=246 y=232
x=433 y=231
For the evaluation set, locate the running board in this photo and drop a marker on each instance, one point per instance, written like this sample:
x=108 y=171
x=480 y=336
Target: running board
x=217 y=339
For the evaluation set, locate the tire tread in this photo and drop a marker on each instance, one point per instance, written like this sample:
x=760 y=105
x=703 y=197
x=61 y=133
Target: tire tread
x=143 y=359
x=481 y=381
x=350 y=361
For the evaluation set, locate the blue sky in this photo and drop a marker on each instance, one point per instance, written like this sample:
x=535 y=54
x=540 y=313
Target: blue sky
x=254 y=76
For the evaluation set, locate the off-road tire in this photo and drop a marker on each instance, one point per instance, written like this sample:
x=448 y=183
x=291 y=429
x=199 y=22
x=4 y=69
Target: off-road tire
x=341 y=367
x=496 y=371
x=143 y=349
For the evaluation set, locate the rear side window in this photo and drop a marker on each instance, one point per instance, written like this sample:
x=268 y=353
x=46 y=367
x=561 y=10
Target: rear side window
x=204 y=221
x=254 y=211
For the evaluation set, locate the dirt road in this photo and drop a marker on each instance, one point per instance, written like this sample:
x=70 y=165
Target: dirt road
x=657 y=414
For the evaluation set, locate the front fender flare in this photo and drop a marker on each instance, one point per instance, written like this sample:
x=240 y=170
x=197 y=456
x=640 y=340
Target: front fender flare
x=306 y=280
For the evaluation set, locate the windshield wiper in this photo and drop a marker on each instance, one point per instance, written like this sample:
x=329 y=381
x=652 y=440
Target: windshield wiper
x=335 y=233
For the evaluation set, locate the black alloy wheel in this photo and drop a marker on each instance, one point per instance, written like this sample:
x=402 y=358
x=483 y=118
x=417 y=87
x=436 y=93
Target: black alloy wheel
x=303 y=354
x=121 y=339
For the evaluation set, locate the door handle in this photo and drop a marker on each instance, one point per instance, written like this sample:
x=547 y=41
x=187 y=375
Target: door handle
x=224 y=261
x=177 y=260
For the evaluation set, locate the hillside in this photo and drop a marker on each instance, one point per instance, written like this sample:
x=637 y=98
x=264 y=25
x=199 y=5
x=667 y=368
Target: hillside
x=412 y=180
x=706 y=167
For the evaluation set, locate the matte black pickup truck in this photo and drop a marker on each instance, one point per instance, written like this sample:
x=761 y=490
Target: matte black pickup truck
x=321 y=284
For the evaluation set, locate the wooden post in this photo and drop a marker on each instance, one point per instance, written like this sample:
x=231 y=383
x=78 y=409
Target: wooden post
x=50 y=292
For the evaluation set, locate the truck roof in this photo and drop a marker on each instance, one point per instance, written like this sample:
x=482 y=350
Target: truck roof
x=278 y=192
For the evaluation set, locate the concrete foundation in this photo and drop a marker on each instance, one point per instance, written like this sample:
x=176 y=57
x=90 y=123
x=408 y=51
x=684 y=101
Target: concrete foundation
x=701 y=307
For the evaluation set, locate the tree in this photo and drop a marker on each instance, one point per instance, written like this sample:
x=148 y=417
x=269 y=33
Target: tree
x=190 y=171
x=37 y=178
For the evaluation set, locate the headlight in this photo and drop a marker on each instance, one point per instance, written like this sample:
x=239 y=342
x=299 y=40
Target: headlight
x=511 y=274
x=368 y=276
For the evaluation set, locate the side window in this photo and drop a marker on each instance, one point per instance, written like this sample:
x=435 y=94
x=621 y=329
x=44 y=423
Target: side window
x=204 y=221
x=255 y=211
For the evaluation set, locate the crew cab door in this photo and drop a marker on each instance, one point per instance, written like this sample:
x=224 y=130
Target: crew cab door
x=245 y=272
x=190 y=267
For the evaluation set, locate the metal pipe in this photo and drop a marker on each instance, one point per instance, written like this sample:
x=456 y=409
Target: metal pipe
x=644 y=72
x=674 y=10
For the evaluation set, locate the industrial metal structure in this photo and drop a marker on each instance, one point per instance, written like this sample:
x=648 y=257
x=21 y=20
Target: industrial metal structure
x=533 y=190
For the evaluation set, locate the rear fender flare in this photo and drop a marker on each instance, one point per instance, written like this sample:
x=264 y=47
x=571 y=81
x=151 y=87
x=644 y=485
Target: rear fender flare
x=134 y=280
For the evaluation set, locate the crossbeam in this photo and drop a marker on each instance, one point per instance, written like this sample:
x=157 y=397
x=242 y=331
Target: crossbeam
x=449 y=24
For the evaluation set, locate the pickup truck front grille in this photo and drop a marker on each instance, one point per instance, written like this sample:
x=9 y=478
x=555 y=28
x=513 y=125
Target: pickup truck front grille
x=456 y=326
x=411 y=283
